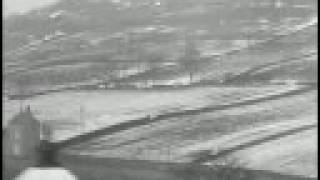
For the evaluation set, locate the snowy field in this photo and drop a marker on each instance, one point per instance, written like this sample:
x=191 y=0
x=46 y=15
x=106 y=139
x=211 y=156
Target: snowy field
x=187 y=134
x=295 y=154
x=181 y=139
x=96 y=109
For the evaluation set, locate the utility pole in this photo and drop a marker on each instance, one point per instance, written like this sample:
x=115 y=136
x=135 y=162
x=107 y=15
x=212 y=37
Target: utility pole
x=190 y=56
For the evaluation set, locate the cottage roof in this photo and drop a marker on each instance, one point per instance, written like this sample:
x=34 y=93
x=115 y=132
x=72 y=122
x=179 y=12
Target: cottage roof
x=24 y=117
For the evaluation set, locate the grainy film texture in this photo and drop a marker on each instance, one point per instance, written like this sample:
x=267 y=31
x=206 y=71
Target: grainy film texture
x=160 y=89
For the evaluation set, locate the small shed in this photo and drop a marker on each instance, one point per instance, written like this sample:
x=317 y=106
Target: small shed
x=22 y=135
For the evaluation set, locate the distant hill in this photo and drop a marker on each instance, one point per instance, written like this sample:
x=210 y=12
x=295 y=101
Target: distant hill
x=59 y=43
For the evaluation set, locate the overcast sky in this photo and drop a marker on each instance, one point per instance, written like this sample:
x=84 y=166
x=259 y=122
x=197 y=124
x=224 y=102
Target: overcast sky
x=21 y=6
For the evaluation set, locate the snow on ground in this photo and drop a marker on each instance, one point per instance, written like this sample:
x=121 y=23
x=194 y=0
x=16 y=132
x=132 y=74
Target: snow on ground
x=295 y=154
x=105 y=108
x=234 y=139
x=171 y=139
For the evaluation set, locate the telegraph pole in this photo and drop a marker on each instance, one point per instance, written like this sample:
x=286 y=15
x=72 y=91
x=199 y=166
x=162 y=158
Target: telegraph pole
x=190 y=54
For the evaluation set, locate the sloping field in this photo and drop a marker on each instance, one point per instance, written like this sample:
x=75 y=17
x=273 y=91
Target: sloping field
x=301 y=69
x=237 y=17
x=275 y=50
x=254 y=136
x=295 y=154
x=105 y=108
x=164 y=140
x=271 y=52
x=85 y=168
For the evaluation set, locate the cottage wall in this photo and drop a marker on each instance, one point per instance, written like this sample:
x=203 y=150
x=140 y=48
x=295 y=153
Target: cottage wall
x=22 y=136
